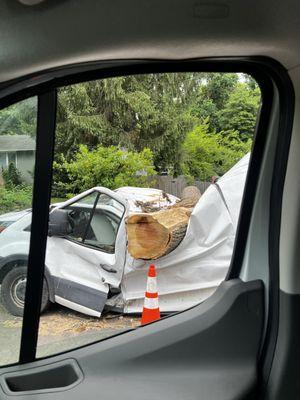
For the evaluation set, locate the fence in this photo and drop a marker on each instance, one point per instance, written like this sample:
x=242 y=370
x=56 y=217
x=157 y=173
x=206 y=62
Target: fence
x=175 y=186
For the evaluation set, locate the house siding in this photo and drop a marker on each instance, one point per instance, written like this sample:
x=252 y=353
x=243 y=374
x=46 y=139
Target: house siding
x=25 y=164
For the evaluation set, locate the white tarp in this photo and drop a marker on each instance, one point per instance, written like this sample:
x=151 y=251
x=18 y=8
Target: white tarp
x=193 y=271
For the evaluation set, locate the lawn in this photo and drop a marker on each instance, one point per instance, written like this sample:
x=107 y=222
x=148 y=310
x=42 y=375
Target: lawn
x=18 y=199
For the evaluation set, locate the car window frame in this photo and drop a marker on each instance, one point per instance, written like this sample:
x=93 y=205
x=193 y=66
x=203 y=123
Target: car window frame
x=67 y=237
x=70 y=238
x=262 y=69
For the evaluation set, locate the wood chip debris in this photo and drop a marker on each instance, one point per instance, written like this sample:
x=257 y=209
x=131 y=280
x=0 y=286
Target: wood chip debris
x=61 y=323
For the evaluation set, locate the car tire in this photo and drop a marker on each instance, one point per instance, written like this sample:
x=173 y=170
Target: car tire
x=13 y=291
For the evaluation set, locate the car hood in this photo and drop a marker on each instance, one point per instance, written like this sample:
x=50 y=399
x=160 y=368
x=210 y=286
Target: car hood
x=14 y=215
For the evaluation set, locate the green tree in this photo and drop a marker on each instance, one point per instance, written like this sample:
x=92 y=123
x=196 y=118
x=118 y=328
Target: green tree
x=207 y=153
x=133 y=112
x=218 y=87
x=240 y=112
x=213 y=92
x=20 y=118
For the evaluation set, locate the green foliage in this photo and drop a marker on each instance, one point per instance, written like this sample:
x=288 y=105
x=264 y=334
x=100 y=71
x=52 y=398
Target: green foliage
x=20 y=118
x=199 y=124
x=207 y=153
x=134 y=112
x=240 y=112
x=212 y=94
x=11 y=176
x=15 y=199
x=104 y=166
x=218 y=87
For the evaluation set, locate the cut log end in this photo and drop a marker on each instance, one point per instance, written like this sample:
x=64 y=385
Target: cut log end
x=151 y=236
x=146 y=237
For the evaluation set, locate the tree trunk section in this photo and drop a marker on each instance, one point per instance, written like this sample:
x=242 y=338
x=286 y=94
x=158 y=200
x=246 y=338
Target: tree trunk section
x=156 y=232
x=153 y=235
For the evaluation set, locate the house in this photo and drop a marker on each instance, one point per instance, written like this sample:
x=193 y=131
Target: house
x=20 y=150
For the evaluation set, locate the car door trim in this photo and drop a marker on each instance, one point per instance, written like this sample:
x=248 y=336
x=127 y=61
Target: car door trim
x=80 y=294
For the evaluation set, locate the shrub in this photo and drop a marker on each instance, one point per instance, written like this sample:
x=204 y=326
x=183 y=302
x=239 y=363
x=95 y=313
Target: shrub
x=15 y=199
x=110 y=167
x=11 y=176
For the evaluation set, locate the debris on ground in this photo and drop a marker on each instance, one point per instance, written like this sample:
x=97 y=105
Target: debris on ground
x=62 y=323
x=59 y=322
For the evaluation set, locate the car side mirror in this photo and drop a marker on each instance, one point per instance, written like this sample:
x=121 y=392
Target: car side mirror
x=59 y=224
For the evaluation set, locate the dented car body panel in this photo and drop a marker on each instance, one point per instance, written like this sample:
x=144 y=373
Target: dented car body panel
x=91 y=262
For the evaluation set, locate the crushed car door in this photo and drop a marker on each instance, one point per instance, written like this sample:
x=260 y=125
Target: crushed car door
x=89 y=259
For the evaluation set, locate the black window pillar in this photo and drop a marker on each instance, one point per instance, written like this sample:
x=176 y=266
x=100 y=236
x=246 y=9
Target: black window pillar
x=39 y=224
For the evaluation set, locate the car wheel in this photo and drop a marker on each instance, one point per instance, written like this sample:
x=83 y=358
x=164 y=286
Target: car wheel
x=13 y=291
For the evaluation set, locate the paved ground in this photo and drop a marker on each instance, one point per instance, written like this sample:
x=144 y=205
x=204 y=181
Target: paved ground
x=60 y=329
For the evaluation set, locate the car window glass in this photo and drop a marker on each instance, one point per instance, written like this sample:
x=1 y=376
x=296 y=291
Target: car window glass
x=17 y=158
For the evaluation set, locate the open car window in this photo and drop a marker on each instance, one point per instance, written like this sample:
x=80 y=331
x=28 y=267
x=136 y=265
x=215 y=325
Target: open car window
x=94 y=221
x=79 y=215
x=104 y=224
x=175 y=149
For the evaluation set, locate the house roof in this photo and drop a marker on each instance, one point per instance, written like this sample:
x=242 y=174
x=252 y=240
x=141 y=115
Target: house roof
x=16 y=143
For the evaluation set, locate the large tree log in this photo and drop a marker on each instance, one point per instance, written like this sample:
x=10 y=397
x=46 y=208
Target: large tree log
x=153 y=234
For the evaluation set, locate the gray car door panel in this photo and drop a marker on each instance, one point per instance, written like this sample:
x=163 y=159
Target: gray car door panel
x=208 y=352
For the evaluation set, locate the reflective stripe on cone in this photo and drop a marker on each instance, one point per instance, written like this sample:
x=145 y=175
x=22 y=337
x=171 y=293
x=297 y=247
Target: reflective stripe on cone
x=151 y=310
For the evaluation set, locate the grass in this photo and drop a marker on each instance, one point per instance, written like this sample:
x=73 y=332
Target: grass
x=15 y=199
x=19 y=198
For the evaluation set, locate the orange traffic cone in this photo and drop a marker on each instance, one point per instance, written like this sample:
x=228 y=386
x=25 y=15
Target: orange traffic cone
x=151 y=308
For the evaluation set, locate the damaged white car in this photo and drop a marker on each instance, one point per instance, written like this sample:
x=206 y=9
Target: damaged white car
x=88 y=266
